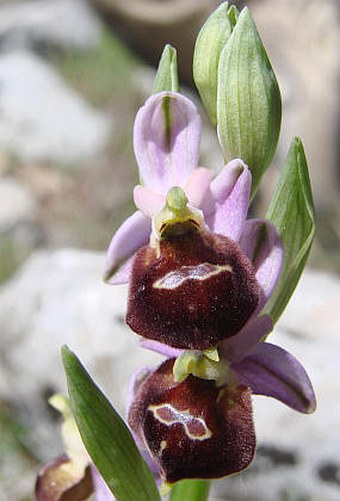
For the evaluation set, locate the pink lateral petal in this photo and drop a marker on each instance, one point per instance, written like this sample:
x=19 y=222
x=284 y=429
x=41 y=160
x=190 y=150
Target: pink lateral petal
x=161 y=348
x=122 y=275
x=262 y=243
x=147 y=201
x=166 y=155
x=130 y=236
x=270 y=370
x=227 y=208
x=197 y=187
x=236 y=347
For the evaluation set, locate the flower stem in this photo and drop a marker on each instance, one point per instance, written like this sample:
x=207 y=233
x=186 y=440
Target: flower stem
x=190 y=490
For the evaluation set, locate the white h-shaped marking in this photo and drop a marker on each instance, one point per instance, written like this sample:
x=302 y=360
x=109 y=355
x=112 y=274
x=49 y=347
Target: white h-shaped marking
x=195 y=427
x=200 y=272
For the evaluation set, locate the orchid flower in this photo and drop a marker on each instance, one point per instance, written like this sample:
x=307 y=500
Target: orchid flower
x=204 y=405
x=244 y=256
x=192 y=429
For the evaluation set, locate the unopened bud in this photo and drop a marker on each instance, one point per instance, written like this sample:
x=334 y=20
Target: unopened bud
x=167 y=73
x=209 y=44
x=248 y=99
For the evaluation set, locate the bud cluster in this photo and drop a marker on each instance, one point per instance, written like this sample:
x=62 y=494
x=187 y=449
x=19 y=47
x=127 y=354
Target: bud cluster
x=238 y=88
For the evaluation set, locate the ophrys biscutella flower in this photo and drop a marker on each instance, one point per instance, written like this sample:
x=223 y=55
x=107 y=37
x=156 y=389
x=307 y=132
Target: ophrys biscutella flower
x=193 y=415
x=193 y=429
x=199 y=269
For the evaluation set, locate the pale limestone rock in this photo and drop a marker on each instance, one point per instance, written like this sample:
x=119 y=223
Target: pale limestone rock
x=42 y=118
x=66 y=24
x=17 y=204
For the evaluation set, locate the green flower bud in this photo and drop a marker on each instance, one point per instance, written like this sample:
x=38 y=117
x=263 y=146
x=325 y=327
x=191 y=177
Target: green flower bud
x=167 y=73
x=209 y=44
x=248 y=99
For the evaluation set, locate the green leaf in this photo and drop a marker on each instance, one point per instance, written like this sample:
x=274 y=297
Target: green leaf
x=248 y=100
x=190 y=490
x=209 y=44
x=292 y=211
x=167 y=73
x=106 y=437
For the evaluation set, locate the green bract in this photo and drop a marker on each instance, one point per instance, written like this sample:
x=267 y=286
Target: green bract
x=167 y=73
x=106 y=437
x=248 y=99
x=292 y=211
x=209 y=44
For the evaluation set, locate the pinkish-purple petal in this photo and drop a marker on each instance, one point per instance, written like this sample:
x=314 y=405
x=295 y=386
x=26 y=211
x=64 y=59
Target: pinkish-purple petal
x=149 y=202
x=261 y=242
x=130 y=236
x=166 y=140
x=122 y=275
x=236 y=347
x=198 y=186
x=269 y=370
x=226 y=208
x=161 y=348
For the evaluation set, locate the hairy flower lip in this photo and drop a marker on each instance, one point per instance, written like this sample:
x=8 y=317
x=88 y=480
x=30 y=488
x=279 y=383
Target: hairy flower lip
x=192 y=292
x=214 y=427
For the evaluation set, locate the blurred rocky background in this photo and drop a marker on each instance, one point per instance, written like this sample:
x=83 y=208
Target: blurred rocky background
x=72 y=75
